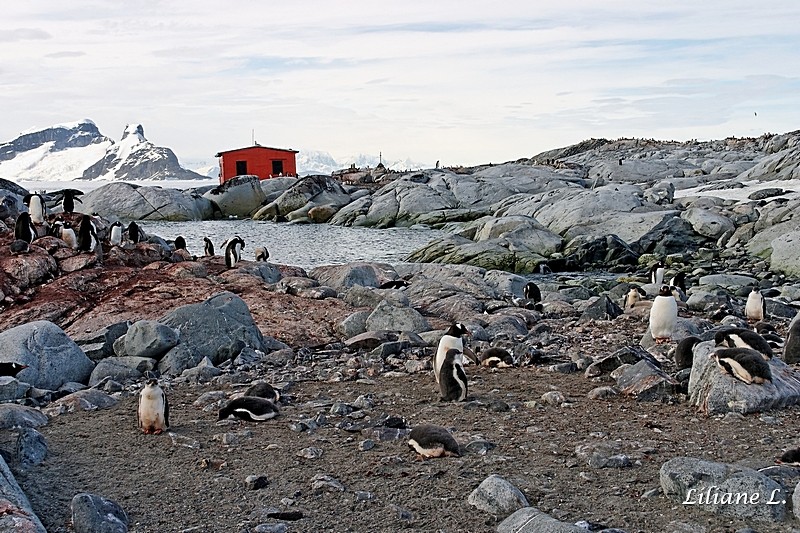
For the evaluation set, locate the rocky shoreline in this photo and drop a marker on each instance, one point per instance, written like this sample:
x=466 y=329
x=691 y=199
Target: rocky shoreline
x=540 y=440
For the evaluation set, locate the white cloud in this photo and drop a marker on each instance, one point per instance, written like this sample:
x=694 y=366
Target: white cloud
x=461 y=82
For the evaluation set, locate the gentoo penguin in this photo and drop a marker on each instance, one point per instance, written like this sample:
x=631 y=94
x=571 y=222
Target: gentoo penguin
x=429 y=440
x=249 y=408
x=495 y=357
x=36 y=207
x=135 y=234
x=743 y=364
x=87 y=235
x=116 y=234
x=68 y=199
x=635 y=294
x=791 y=348
x=153 y=408
x=262 y=389
x=11 y=369
x=451 y=339
x=531 y=292
x=68 y=235
x=657 y=273
x=684 y=352
x=789 y=457
x=23 y=229
x=180 y=243
x=678 y=294
x=744 y=338
x=452 y=378
x=679 y=280
x=756 y=307
x=208 y=248
x=663 y=315
x=261 y=253
x=233 y=251
x=394 y=284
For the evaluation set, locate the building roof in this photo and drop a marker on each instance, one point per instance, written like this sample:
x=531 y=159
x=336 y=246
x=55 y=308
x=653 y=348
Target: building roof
x=257 y=146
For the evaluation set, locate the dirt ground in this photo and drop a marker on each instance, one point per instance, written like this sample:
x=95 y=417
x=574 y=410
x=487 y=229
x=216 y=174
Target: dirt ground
x=166 y=486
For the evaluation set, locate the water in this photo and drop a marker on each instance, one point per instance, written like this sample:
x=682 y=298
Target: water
x=303 y=245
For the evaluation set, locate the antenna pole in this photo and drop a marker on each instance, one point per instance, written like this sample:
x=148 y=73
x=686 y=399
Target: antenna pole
x=253 y=136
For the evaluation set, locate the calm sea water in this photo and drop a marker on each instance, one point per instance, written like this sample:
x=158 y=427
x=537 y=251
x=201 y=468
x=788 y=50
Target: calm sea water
x=303 y=245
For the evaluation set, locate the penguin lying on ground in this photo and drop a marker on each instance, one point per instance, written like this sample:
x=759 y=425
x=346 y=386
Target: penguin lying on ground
x=743 y=364
x=249 y=408
x=452 y=378
x=755 y=308
x=451 y=339
x=394 y=284
x=770 y=334
x=429 y=440
x=684 y=352
x=153 y=415
x=262 y=389
x=789 y=457
x=11 y=369
x=495 y=357
x=635 y=294
x=744 y=338
x=663 y=316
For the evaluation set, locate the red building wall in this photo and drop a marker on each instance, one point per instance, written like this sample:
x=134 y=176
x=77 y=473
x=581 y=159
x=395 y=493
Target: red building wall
x=259 y=161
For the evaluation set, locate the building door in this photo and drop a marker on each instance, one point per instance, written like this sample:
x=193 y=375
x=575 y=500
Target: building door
x=241 y=168
x=277 y=167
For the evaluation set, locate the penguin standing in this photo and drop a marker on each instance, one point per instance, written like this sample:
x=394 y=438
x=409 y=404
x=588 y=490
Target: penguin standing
x=743 y=364
x=116 y=234
x=657 y=273
x=679 y=280
x=180 y=243
x=663 y=316
x=744 y=338
x=635 y=294
x=134 y=233
x=36 y=207
x=68 y=235
x=261 y=253
x=69 y=196
x=756 y=307
x=208 y=247
x=233 y=251
x=429 y=440
x=23 y=229
x=87 y=235
x=153 y=408
x=452 y=378
x=450 y=340
x=249 y=408
x=684 y=352
x=531 y=292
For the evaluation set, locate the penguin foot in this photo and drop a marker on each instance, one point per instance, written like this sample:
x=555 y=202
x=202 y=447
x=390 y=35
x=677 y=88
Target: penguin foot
x=158 y=432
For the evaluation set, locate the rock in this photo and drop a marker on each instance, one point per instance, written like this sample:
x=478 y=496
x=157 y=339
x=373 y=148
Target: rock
x=497 y=497
x=785 y=255
x=353 y=325
x=323 y=482
x=238 y=197
x=217 y=328
x=30 y=269
x=627 y=355
x=100 y=344
x=310 y=453
x=92 y=514
x=600 y=393
x=120 y=369
x=11 y=389
x=31 y=447
x=646 y=382
x=204 y=372
x=341 y=277
x=253 y=482
x=15 y=415
x=714 y=392
x=266 y=272
x=52 y=357
x=126 y=201
x=707 y=223
x=148 y=338
x=554 y=398
x=389 y=317
x=728 y=490
x=17 y=512
x=82 y=400
x=370 y=340
x=360 y=296
x=532 y=520
x=601 y=309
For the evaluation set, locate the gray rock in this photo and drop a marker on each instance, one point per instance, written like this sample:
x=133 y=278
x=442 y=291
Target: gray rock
x=23 y=517
x=602 y=309
x=727 y=281
x=646 y=382
x=121 y=369
x=532 y=520
x=266 y=272
x=497 y=496
x=52 y=357
x=796 y=501
x=14 y=415
x=370 y=340
x=126 y=201
x=82 y=400
x=707 y=223
x=389 y=317
x=217 y=328
x=627 y=355
x=360 y=296
x=602 y=455
x=785 y=255
x=204 y=372
x=324 y=483
x=714 y=392
x=341 y=277
x=554 y=398
x=31 y=447
x=353 y=325
x=303 y=195
x=254 y=482
x=12 y=389
x=93 y=514
x=100 y=344
x=238 y=197
x=690 y=481
x=599 y=393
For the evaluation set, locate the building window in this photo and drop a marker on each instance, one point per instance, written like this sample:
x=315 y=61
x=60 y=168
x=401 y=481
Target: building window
x=241 y=168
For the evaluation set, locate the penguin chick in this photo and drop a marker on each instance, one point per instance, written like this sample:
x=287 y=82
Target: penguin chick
x=153 y=415
x=249 y=408
x=744 y=338
x=429 y=440
x=496 y=357
x=452 y=378
x=684 y=352
x=743 y=364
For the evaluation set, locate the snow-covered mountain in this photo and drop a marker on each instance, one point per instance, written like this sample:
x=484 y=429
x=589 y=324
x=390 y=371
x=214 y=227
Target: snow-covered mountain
x=78 y=151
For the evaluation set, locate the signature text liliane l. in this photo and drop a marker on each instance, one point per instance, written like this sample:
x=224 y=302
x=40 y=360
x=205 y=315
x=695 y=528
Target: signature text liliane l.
x=712 y=495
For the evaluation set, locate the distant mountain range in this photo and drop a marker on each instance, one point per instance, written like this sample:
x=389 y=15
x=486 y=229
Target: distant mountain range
x=78 y=151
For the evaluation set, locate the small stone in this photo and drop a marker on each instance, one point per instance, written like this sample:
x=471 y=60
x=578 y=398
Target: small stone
x=253 y=482
x=323 y=482
x=341 y=409
x=366 y=444
x=271 y=528
x=563 y=368
x=363 y=496
x=652 y=493
x=600 y=393
x=553 y=398
x=401 y=513
x=310 y=453
x=479 y=447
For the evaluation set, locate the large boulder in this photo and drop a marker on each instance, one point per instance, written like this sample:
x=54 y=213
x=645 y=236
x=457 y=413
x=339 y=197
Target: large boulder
x=27 y=270
x=148 y=338
x=237 y=197
x=347 y=275
x=786 y=254
x=127 y=201
x=306 y=193
x=52 y=357
x=217 y=328
x=17 y=513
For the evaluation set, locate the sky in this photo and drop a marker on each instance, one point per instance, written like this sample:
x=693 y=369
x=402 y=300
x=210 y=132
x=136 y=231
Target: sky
x=461 y=82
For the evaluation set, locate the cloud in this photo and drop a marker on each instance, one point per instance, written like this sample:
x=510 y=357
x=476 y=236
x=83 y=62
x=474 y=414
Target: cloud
x=23 y=34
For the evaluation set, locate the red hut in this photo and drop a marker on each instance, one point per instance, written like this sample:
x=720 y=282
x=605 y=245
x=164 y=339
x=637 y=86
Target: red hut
x=260 y=161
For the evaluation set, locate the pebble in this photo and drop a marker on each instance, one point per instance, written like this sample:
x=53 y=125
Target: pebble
x=366 y=444
x=254 y=482
x=310 y=453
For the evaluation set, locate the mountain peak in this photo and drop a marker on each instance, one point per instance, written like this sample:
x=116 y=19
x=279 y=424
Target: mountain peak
x=134 y=129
